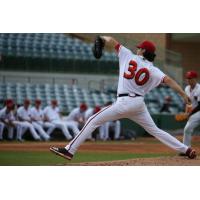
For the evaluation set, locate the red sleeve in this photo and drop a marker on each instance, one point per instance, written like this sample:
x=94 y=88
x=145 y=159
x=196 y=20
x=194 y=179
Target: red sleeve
x=117 y=47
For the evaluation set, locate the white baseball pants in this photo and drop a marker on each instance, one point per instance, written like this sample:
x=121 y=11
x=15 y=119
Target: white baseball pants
x=24 y=126
x=73 y=126
x=50 y=127
x=192 y=123
x=132 y=108
x=40 y=130
x=10 y=131
x=2 y=126
x=104 y=130
x=62 y=125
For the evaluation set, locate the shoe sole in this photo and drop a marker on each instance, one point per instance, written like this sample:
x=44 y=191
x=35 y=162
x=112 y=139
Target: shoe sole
x=60 y=154
x=193 y=155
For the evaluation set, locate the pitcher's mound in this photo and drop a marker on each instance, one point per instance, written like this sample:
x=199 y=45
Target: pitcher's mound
x=160 y=161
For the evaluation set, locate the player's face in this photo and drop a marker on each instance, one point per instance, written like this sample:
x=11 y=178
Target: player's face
x=53 y=105
x=37 y=106
x=140 y=51
x=26 y=106
x=192 y=82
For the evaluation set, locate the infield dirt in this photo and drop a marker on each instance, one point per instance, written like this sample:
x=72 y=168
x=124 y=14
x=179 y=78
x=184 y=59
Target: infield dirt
x=140 y=146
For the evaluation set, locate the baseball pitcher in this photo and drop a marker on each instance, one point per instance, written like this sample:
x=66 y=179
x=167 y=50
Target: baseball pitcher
x=137 y=76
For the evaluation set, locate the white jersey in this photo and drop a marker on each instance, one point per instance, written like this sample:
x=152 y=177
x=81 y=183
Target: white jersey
x=76 y=115
x=193 y=94
x=137 y=75
x=23 y=113
x=52 y=114
x=89 y=113
x=6 y=115
x=37 y=114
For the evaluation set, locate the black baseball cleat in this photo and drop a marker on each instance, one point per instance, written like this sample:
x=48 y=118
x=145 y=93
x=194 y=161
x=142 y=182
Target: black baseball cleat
x=191 y=153
x=61 y=152
x=182 y=154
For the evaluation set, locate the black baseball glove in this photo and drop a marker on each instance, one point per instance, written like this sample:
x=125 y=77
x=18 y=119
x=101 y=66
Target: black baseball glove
x=98 y=47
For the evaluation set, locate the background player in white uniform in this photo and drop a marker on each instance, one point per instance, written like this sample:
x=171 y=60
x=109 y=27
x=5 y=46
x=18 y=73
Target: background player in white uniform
x=137 y=76
x=37 y=118
x=78 y=115
x=24 y=116
x=115 y=126
x=8 y=120
x=52 y=115
x=193 y=91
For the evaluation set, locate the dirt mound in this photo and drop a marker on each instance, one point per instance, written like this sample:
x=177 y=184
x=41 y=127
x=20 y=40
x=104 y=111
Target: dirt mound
x=161 y=161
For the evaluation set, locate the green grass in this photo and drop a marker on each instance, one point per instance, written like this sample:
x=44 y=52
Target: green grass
x=10 y=158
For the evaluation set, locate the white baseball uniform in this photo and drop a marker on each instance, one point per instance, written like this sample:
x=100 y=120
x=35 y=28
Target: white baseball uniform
x=76 y=115
x=24 y=115
x=137 y=76
x=89 y=113
x=73 y=120
x=8 y=116
x=37 y=116
x=53 y=115
x=194 y=121
x=104 y=130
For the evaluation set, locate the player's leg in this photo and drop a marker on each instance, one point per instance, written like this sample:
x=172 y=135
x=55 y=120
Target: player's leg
x=2 y=126
x=192 y=123
x=109 y=113
x=144 y=119
x=10 y=132
x=40 y=130
x=117 y=128
x=62 y=126
x=50 y=127
x=32 y=130
x=103 y=131
x=73 y=126
x=106 y=129
x=19 y=134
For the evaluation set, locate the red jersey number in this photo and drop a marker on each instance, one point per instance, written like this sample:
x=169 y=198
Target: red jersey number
x=142 y=72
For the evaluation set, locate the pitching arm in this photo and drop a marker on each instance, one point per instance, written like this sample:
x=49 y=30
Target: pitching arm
x=174 y=85
x=110 y=41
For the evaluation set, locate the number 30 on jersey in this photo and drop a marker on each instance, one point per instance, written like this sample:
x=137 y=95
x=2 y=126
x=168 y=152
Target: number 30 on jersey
x=140 y=77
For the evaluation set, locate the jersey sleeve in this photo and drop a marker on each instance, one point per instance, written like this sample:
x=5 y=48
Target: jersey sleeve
x=157 y=75
x=45 y=110
x=198 y=95
x=32 y=112
x=123 y=52
x=19 y=112
x=71 y=115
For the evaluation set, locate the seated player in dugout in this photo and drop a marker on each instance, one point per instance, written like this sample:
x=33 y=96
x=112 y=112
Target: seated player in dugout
x=137 y=76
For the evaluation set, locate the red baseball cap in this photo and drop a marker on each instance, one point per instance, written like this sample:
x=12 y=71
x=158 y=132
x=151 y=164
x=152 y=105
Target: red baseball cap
x=191 y=74
x=147 y=45
x=97 y=109
x=83 y=106
x=9 y=103
x=27 y=101
x=54 y=102
x=38 y=101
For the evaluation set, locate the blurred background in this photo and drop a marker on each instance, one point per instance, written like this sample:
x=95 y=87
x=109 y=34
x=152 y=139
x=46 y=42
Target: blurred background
x=61 y=66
